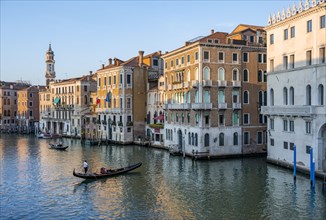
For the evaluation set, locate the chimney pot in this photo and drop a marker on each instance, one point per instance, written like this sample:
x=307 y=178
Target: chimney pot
x=141 y=55
x=110 y=61
x=90 y=72
x=102 y=66
x=212 y=31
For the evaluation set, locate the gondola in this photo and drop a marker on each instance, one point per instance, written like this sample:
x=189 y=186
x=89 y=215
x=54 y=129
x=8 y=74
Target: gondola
x=108 y=173
x=58 y=146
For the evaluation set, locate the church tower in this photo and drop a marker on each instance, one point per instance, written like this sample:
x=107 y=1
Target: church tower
x=50 y=73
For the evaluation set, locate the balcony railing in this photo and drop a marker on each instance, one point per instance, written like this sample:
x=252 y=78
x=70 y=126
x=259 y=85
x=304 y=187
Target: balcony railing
x=223 y=105
x=207 y=83
x=179 y=106
x=289 y=110
x=201 y=106
x=236 y=105
x=222 y=83
x=194 y=83
x=236 y=83
x=186 y=85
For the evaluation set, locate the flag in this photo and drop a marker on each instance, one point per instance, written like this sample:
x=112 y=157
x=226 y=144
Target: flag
x=108 y=97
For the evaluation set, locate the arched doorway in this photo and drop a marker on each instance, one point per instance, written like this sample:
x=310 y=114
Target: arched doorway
x=322 y=147
x=180 y=140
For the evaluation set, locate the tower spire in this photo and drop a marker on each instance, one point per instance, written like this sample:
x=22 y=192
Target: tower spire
x=50 y=73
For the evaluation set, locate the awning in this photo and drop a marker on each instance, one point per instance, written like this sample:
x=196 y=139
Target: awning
x=56 y=100
x=160 y=117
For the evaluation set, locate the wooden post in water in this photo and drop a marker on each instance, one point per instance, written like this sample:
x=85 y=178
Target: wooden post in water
x=295 y=162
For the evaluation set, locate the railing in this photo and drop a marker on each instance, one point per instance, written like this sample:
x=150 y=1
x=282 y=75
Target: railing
x=223 y=105
x=207 y=83
x=236 y=83
x=236 y=105
x=222 y=83
x=186 y=84
x=201 y=106
x=194 y=83
x=288 y=110
x=179 y=106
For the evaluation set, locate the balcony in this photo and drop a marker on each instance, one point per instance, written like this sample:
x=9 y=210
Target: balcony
x=293 y=110
x=201 y=106
x=179 y=106
x=186 y=85
x=222 y=83
x=177 y=85
x=236 y=105
x=207 y=83
x=194 y=83
x=223 y=105
x=236 y=83
x=170 y=87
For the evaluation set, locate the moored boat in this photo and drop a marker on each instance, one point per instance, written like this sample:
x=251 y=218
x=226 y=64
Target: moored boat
x=58 y=146
x=107 y=173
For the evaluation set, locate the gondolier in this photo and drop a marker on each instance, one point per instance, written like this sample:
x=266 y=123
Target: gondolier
x=85 y=165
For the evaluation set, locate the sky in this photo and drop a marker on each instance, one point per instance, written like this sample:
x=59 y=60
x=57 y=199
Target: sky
x=85 y=34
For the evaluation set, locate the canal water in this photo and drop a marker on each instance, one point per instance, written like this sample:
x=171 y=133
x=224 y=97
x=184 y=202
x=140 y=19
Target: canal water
x=37 y=183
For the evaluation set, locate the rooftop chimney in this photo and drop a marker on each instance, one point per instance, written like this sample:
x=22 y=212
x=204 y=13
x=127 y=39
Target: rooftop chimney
x=160 y=52
x=110 y=61
x=212 y=31
x=102 y=66
x=90 y=72
x=141 y=55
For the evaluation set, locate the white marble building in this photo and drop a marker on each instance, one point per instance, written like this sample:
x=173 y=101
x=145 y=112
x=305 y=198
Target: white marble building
x=296 y=81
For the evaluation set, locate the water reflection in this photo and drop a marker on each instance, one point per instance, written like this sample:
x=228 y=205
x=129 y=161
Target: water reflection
x=38 y=182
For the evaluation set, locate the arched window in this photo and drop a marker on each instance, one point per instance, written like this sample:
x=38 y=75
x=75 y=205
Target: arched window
x=321 y=94
x=196 y=139
x=285 y=96
x=271 y=97
x=192 y=139
x=235 y=75
x=261 y=98
x=189 y=138
x=207 y=74
x=85 y=99
x=308 y=95
x=245 y=75
x=245 y=97
x=207 y=97
x=221 y=74
x=235 y=138
x=291 y=95
x=188 y=75
x=196 y=74
x=196 y=97
x=206 y=144
x=221 y=139
x=260 y=76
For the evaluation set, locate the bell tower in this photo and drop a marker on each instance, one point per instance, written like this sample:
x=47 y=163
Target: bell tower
x=50 y=73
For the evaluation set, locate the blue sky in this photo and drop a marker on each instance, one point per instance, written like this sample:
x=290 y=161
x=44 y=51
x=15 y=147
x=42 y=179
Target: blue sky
x=85 y=34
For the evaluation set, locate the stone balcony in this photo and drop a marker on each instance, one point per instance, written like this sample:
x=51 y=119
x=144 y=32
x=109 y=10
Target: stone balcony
x=236 y=83
x=222 y=83
x=223 y=105
x=207 y=83
x=194 y=83
x=186 y=85
x=236 y=105
x=178 y=106
x=292 y=110
x=201 y=106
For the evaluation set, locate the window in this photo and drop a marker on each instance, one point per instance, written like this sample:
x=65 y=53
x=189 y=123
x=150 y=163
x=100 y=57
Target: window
x=271 y=65
x=206 y=142
x=188 y=58
x=309 y=26
x=182 y=60
x=114 y=80
x=99 y=82
x=259 y=137
x=128 y=79
x=176 y=62
x=104 y=81
x=171 y=63
x=285 y=145
x=260 y=76
x=246 y=137
x=245 y=57
x=271 y=39
x=291 y=126
x=245 y=75
x=291 y=146
x=292 y=61
x=206 y=56
x=322 y=21
x=321 y=94
x=308 y=149
x=246 y=119
x=234 y=58
x=245 y=97
x=271 y=97
x=220 y=57
x=196 y=56
x=30 y=113
x=221 y=139
x=308 y=95
x=155 y=62
x=271 y=121
x=188 y=118
x=260 y=58
x=308 y=127
x=285 y=96
x=206 y=73
x=293 y=32
x=235 y=118
x=308 y=58
x=235 y=75
x=322 y=55
x=272 y=142
x=216 y=41
x=286 y=34
x=221 y=119
x=235 y=139
x=291 y=96
x=221 y=74
x=285 y=125
x=285 y=62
